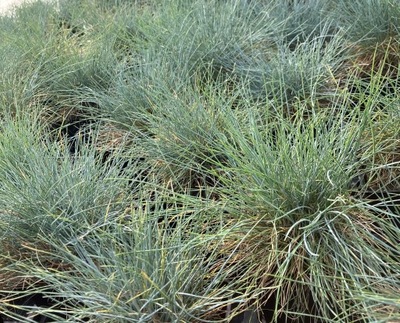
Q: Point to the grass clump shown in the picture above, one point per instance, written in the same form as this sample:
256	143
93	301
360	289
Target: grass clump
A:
199	161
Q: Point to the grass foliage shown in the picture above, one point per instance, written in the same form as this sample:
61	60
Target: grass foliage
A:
200	161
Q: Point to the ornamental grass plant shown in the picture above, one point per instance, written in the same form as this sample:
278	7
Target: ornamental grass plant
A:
199	161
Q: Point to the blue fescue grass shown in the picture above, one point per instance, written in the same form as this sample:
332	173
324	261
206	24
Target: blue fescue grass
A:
370	22
43	188
186	161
